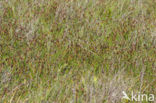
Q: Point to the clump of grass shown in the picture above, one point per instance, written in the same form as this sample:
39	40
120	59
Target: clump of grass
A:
76	50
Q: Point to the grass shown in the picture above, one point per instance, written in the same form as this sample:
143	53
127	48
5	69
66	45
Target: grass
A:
77	51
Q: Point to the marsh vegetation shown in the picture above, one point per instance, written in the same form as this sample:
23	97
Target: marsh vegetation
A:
76	51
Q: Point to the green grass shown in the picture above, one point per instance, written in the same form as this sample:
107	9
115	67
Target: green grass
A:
62	51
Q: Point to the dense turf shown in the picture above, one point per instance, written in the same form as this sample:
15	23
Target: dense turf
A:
77	51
